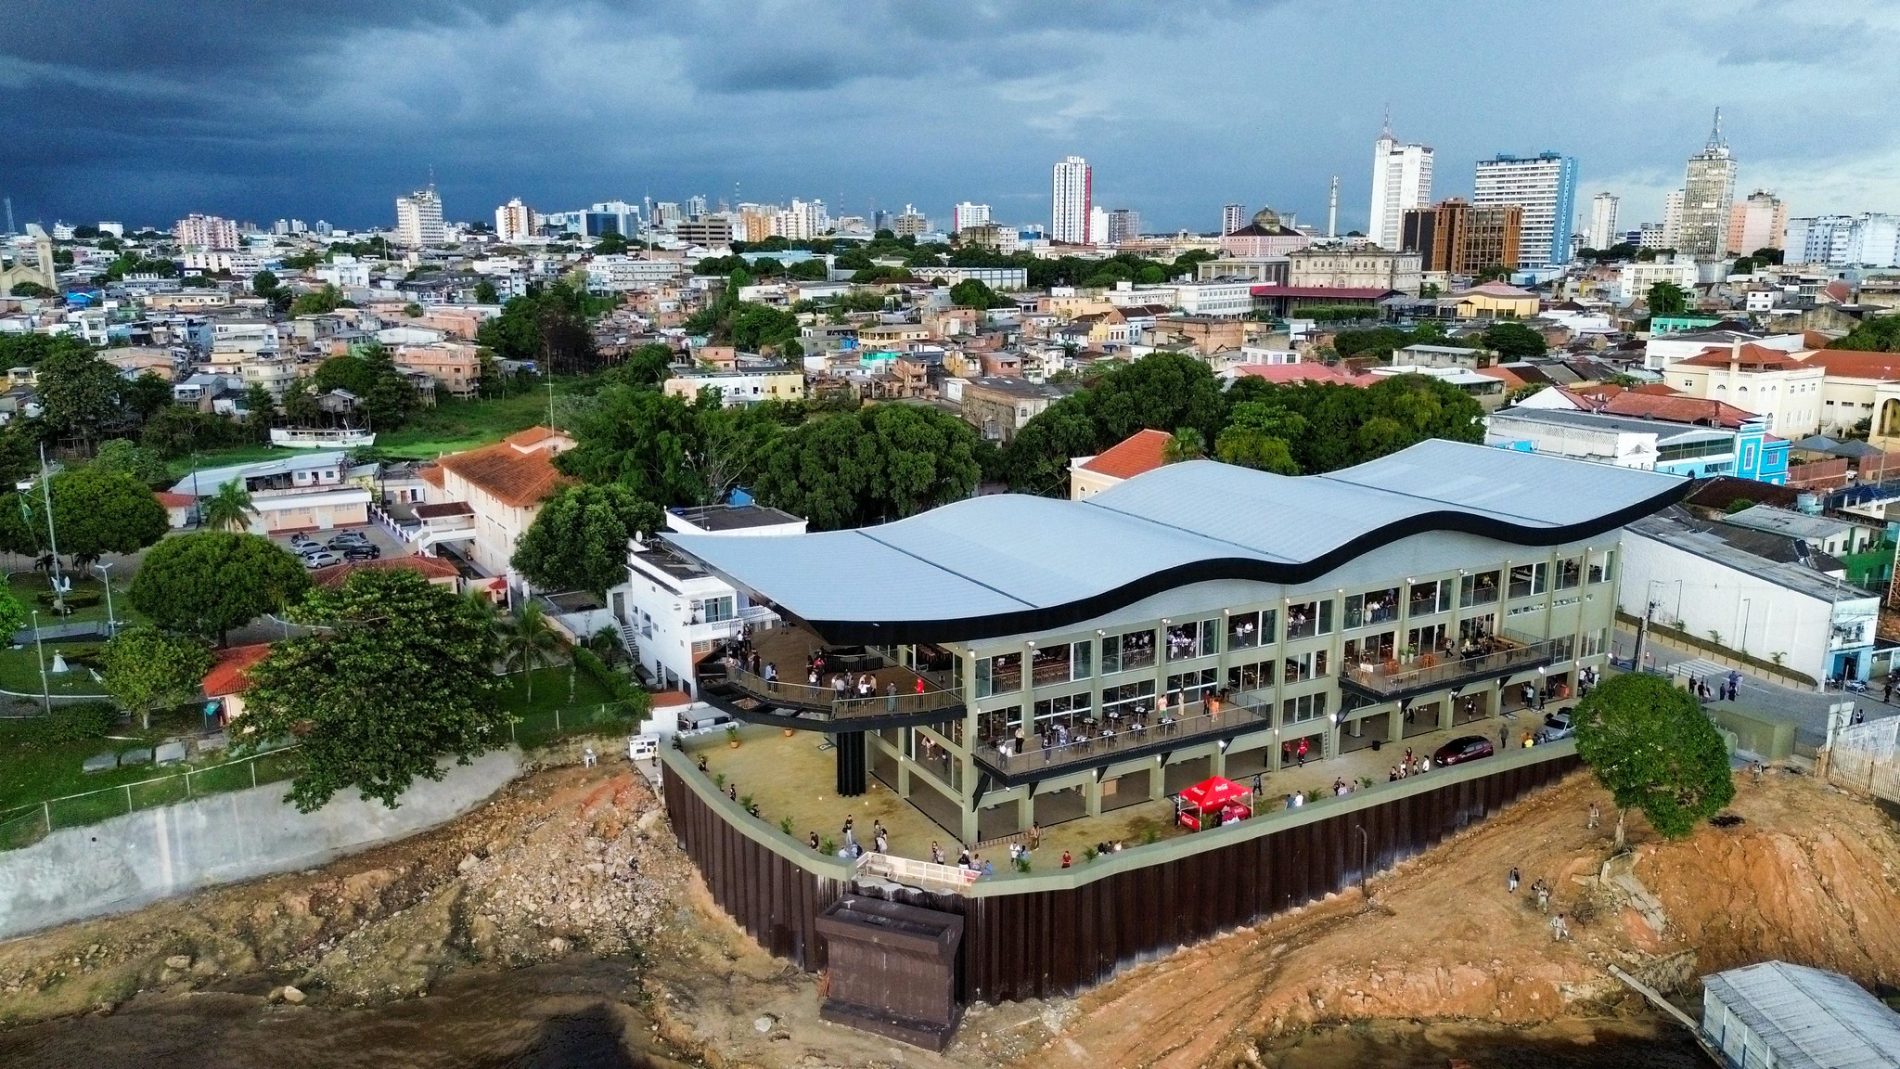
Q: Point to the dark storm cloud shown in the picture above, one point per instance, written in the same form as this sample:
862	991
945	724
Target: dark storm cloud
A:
143	110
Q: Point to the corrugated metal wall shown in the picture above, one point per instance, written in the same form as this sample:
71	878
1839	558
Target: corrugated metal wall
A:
1041	943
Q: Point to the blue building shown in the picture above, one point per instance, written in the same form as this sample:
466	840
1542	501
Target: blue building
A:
1545	186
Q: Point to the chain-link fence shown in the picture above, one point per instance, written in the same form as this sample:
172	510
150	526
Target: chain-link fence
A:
539	727
29	824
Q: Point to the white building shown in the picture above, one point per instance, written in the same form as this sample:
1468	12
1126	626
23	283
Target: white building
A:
1401	179
1760	222
419	219
1708	190
1544	186
204	261
967	215
514	221
617	273
1869	239
1098	225
674	612
1634	279
1602	233
996	278
345	272
1652	236
206	232
1071	198
1232	217
1691	576
1672	220
1215	298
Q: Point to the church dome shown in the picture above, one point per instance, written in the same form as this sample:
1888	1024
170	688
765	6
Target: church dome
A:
1267	219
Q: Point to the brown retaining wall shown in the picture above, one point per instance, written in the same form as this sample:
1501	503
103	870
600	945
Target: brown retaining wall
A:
1039	935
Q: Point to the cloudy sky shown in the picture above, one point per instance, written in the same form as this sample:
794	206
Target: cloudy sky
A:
141	110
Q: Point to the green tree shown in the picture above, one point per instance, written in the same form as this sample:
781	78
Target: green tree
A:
646	367
879	463
527	642
1767	255
1740	504
79	395
485	293
145	396
147	670
641	439
264	283
13	613
1875	334
229	509
95	512
123	456
400	677
1666	298
30	350
974	293
1036	461
207	583
578	541
300	404
259	410
1653	748
1186	444
32	289
317	302
370	372
1513	340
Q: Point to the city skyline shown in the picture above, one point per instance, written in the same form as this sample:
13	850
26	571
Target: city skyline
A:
331	112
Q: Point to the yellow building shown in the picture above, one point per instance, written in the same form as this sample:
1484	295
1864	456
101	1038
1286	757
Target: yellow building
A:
1495	300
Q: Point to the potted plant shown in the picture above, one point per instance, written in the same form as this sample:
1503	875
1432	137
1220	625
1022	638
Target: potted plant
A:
732	735
785	825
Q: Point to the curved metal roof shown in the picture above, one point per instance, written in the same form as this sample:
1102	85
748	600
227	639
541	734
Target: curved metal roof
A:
1009	564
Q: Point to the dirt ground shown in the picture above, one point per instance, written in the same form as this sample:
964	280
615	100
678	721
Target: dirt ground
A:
570	866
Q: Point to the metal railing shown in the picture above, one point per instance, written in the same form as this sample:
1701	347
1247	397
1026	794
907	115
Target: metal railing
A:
1126	735
824	702
26	825
1512	653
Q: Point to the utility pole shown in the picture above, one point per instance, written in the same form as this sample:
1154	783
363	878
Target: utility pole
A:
1642	638
46	489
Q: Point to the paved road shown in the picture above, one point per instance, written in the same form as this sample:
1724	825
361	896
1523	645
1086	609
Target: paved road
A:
1807	709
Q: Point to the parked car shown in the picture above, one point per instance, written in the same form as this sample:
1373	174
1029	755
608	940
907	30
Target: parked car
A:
365	552
1463	748
1558	725
301	539
347	538
322	558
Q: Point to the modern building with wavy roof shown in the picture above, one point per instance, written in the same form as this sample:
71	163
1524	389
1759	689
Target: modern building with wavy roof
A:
1035	659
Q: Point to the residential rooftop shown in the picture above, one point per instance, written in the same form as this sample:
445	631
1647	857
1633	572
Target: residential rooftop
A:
1676	527
1788	524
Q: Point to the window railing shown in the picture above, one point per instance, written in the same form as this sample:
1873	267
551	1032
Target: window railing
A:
1104	742
1500	654
824	702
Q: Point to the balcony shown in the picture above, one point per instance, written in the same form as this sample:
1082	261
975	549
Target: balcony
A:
1122	739
791	701
1502	655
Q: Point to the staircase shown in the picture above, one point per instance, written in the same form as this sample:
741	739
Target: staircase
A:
630	638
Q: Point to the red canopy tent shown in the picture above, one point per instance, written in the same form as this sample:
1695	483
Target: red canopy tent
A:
1217	797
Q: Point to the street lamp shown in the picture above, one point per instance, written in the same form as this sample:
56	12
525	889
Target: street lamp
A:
105	575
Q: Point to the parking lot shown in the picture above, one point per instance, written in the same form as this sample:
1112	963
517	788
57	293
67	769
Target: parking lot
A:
385	543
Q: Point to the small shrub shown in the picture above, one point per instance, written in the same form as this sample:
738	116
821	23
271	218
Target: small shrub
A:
719	780
745	802
1022	863
74	723
828	846
1150	835
1088	854
1364	782
84	599
732	733
785	825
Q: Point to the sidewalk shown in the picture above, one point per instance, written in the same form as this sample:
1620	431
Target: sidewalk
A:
1806	709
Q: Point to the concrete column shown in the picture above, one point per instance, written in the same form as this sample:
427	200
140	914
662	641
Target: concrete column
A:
1092	796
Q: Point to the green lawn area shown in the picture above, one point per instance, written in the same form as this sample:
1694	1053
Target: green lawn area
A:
28	586
552	713
449	427
20	669
32	771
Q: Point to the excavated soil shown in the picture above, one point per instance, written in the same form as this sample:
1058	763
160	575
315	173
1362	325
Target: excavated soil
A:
559	924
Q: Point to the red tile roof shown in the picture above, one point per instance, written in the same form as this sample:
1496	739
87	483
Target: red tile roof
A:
427	567
1751	356
1301	372
431	475
227	676
174	501
1676	409
1506	376
513	471
1853	363
1139	452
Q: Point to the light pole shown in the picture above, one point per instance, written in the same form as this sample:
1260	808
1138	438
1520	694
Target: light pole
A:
46	688
46	488
105	575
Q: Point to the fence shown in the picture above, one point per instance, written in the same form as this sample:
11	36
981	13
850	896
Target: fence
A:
539	727
29	824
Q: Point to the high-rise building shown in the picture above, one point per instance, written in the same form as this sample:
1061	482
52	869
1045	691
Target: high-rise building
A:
1602	232
1545	186
1459	238
1124	225
419	219
1098	224
1232	217
910	222
1756	223
1869	240
1652	236
1401	179
514	221
966	215
1672	220
695	205
1708	190
667	214
206	232
1072	196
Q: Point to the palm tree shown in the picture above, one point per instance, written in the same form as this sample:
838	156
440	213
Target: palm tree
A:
229	509
1187	444
527	641
605	644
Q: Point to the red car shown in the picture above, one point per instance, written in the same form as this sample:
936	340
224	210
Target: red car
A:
1464	748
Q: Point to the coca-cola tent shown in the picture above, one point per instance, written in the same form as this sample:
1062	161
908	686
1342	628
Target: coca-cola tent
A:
1213	801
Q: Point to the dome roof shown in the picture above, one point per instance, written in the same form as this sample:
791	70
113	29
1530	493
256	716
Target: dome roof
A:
1267	219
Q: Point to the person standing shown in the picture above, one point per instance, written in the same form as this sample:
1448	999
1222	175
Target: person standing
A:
1595	816
814	841
771	676
1512	879
1504	738
1035	836
1860	715
1559	931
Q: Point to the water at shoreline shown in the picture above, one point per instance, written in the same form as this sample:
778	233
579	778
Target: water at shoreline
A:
1640	1043
544	1017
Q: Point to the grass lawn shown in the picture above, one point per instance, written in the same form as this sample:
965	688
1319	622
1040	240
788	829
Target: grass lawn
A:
449	427
20	669
552	713
29	585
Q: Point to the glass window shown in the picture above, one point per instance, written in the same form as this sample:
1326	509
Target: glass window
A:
1305	666
1479	589
1528	580
1126	653
1602	565
1135	699
1569	573
1189	687
713	610
1196	638
995	725
1304	707
1372	607
1428	598
999	675
1309	618
1061	663
1067	710
1255	675
1244	630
